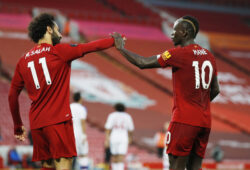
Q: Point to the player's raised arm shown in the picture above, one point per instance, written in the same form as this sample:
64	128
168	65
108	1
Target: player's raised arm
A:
139	61
71	52
215	89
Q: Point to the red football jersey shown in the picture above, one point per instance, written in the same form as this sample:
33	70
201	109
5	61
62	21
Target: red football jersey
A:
193	69
45	72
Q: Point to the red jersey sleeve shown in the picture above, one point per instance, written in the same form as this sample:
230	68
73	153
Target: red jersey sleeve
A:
16	87
71	52
170	57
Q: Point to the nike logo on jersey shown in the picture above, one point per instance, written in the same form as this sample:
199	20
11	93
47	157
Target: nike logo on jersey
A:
38	51
200	52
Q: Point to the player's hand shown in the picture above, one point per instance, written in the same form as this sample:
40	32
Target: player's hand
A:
22	135
119	40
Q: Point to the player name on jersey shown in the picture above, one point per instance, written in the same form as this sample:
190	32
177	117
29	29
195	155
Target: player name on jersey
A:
38	51
200	52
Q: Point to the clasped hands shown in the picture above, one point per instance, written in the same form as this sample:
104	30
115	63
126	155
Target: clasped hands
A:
119	40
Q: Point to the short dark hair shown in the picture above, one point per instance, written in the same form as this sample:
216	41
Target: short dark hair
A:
38	26
193	31
120	107
76	96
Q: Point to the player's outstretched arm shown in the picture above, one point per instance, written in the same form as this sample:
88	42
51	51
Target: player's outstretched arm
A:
137	60
74	51
215	89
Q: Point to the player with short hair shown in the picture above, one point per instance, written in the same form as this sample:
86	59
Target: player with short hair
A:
45	72
119	128
79	116
195	84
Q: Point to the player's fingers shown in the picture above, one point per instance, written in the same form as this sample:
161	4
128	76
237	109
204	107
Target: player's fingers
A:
17	137
22	138
24	133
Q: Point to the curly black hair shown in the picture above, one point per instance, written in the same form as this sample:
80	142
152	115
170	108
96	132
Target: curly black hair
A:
193	31
38	26
120	107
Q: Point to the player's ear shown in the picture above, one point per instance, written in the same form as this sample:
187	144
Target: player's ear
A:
49	29
184	33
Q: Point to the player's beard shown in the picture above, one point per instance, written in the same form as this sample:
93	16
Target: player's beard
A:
55	38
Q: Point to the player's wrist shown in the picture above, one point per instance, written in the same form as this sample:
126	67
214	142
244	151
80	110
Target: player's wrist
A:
121	48
18	130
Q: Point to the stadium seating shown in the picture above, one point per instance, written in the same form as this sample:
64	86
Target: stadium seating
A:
137	11
89	10
6	122
229	3
214	21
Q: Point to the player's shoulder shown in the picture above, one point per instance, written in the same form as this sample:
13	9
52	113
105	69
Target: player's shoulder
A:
77	105
64	46
128	115
173	50
114	115
73	104
124	115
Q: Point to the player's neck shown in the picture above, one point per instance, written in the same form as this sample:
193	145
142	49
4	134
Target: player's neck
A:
188	42
46	39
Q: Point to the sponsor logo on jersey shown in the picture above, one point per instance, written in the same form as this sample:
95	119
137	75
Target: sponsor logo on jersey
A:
200	52
38	51
166	55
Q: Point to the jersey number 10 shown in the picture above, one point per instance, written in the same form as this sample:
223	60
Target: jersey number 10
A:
31	65
205	64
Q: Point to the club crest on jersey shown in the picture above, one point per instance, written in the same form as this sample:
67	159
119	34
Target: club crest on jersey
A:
166	55
200	52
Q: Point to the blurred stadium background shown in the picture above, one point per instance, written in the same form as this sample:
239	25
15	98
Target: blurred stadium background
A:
105	77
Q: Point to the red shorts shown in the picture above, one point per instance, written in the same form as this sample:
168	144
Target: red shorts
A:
55	141
181	139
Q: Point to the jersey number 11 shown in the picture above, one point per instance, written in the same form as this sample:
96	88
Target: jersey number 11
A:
31	65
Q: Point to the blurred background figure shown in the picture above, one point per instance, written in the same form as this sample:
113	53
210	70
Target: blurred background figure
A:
14	159
119	127
66	30
107	156
217	153
79	116
159	139
165	159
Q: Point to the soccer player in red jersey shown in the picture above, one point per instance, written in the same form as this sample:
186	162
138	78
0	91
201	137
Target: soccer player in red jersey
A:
194	86
45	73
